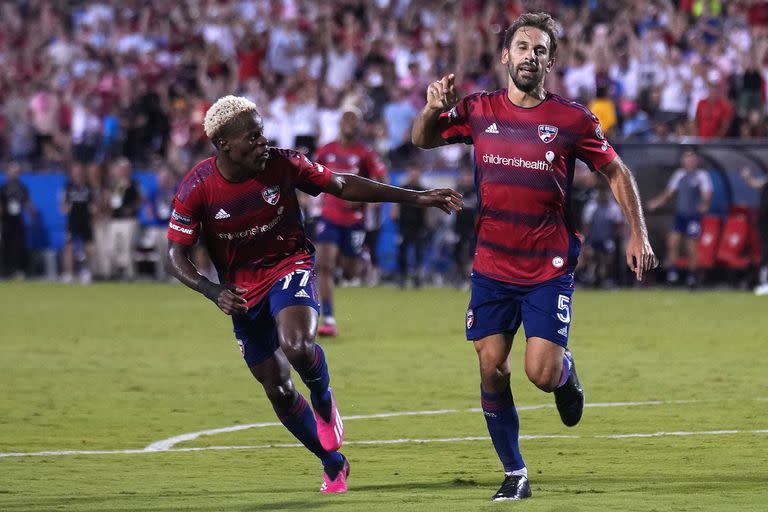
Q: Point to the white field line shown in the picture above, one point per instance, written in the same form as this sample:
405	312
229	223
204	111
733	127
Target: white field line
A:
383	442
167	444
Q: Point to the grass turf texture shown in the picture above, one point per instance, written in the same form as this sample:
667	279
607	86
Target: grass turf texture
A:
115	367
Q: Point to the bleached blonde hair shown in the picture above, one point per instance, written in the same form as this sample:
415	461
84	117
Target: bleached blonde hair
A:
223	111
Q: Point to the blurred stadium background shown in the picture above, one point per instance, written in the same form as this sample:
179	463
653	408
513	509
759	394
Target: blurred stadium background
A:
87	83
103	88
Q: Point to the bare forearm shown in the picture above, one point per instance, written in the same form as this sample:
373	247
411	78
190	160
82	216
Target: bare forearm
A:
359	189
625	191
424	132
179	265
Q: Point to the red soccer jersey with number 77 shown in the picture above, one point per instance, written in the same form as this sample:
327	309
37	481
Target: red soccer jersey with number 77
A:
254	230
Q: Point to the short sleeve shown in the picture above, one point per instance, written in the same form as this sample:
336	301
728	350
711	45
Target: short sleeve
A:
454	125
311	177
705	183
592	147
674	181
184	226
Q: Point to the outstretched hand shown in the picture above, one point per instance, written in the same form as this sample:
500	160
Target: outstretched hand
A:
441	94
446	199
640	256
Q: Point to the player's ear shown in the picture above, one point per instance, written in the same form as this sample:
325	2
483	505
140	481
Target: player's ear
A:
222	144
505	56
550	64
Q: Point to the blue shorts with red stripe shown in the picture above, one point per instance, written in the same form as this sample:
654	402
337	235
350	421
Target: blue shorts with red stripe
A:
256	330
544	309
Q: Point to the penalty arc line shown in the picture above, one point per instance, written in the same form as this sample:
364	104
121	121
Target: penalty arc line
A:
167	444
386	442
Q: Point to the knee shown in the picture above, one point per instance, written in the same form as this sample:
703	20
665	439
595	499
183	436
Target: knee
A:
544	376
494	372
281	394
299	347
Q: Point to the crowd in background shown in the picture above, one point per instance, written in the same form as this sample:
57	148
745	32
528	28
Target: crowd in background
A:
94	87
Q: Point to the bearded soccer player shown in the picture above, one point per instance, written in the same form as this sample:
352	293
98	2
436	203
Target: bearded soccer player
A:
341	228
242	203
526	140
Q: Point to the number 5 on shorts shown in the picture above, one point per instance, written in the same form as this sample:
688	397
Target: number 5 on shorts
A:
564	305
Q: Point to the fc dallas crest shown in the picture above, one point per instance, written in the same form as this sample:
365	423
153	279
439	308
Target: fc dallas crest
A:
271	194
547	133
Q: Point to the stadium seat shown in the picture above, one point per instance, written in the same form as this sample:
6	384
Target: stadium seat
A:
708	242
732	250
755	251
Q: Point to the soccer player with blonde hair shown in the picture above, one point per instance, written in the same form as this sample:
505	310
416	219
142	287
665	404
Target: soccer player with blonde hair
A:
242	204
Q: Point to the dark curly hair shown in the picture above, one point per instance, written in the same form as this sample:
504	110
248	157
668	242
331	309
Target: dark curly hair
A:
540	20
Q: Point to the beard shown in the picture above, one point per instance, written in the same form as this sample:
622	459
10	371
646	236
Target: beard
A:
527	84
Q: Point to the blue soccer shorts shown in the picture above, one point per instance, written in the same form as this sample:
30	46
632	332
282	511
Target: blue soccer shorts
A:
689	225
349	240
497	307
256	330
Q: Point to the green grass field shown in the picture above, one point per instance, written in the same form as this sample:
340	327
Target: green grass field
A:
118	367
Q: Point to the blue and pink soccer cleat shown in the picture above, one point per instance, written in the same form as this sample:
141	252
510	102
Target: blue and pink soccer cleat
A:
337	485
331	433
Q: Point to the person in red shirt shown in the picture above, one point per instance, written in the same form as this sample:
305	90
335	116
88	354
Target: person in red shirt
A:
242	204
341	227
713	114
526	141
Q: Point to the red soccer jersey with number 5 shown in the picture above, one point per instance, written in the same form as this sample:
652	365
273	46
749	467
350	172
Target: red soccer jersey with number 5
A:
524	160
254	230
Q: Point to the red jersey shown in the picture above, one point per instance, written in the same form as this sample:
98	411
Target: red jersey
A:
354	159
254	230
524	160
710	116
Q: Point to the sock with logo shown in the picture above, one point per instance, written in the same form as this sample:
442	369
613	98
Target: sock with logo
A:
317	379
300	422
504	427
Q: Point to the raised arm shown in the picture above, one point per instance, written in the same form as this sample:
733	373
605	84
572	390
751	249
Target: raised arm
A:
355	188
640	256
441	97
755	182
178	264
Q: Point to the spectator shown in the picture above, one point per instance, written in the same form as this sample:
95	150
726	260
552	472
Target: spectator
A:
693	187
714	113
602	222
605	110
159	211
45	108
398	115
414	233
86	130
760	183
464	228
78	202
14	198
124	202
